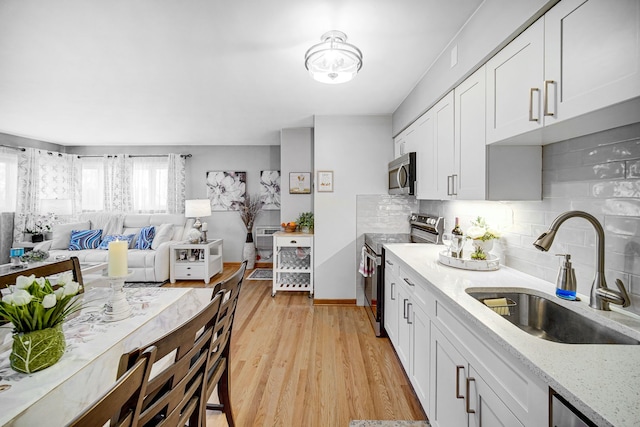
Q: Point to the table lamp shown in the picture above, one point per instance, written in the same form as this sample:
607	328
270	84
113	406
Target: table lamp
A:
197	208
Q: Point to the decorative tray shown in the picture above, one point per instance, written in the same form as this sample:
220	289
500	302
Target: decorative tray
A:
490	264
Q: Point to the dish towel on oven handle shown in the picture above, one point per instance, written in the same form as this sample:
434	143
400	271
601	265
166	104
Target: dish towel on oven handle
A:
366	269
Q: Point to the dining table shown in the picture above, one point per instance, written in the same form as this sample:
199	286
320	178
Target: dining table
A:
88	368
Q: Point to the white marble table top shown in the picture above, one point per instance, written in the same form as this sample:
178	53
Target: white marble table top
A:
88	368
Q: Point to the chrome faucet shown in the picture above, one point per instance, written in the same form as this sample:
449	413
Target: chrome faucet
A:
601	295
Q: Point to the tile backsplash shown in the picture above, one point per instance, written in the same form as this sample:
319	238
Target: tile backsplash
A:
598	174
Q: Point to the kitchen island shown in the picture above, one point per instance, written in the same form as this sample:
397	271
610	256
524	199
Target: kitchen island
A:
601	381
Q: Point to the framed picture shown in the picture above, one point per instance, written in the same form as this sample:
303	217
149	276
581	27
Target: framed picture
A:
300	183
226	189
270	189
325	181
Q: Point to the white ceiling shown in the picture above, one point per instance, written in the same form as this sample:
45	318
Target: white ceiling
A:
204	72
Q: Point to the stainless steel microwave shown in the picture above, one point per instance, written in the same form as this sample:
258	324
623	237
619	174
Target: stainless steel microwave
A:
402	175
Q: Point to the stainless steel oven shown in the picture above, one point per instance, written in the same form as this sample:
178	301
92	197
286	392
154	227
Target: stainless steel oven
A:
423	229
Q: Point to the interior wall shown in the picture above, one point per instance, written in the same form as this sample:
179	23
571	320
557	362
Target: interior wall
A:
356	149
296	155
598	174
497	21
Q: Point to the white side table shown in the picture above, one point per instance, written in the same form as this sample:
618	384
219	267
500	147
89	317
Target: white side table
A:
195	261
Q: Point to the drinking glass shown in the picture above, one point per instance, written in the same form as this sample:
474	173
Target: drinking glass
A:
447	240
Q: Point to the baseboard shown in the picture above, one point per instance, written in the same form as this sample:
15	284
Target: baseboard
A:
344	302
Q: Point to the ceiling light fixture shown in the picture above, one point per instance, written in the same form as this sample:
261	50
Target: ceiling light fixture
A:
333	60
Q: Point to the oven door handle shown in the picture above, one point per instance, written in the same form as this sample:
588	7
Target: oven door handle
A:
373	258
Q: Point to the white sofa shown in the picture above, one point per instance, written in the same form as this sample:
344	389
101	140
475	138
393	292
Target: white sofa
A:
149	265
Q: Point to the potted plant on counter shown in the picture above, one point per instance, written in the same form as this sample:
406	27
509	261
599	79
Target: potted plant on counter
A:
305	222
482	237
249	210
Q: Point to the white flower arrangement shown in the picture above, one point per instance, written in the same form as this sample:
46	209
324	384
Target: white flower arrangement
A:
34	305
481	233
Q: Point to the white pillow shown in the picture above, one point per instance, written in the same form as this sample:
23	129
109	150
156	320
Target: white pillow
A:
62	233
164	233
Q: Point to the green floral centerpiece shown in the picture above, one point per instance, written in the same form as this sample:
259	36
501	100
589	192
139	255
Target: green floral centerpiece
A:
37	311
482	237
305	221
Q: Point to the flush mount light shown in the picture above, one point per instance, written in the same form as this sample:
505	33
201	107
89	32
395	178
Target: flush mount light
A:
333	60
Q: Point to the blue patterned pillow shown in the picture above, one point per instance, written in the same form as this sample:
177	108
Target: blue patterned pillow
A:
112	237
84	239
145	237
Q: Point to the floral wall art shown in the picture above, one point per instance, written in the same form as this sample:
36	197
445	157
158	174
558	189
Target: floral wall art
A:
226	189
299	182
270	189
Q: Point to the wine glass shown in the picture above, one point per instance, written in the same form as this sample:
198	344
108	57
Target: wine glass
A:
448	240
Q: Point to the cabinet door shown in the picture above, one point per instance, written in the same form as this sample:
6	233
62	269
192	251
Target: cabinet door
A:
592	56
444	139
425	158
470	142
485	407
399	145
514	80
391	306
420	355
404	329
448	373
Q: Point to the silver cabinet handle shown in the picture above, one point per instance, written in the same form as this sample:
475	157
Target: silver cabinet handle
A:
469	410
546	97
393	287
408	281
453	185
293	241
404	311
448	185
533	89
458	395
409	313
388	262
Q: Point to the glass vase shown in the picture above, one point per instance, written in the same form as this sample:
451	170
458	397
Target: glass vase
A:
37	350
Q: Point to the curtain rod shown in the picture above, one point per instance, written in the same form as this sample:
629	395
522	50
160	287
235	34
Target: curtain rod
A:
186	156
12	147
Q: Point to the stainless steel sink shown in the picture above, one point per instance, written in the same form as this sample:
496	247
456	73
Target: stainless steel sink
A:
543	318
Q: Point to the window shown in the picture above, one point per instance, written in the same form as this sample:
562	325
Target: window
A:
92	184
150	181
8	180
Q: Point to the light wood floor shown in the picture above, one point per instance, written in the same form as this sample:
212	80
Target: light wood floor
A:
295	364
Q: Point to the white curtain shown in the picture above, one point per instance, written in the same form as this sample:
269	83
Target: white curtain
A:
8	179
149	184
42	175
117	183
177	188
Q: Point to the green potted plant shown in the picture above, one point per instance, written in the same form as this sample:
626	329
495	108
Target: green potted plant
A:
305	222
36	311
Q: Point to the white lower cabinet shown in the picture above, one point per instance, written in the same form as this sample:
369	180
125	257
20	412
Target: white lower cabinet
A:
460	395
460	375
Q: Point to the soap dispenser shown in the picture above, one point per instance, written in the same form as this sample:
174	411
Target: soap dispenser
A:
566	281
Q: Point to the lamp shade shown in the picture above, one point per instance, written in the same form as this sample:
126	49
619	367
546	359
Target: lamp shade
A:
56	206
197	208
333	60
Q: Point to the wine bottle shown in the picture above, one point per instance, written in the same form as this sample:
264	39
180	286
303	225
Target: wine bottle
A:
456	250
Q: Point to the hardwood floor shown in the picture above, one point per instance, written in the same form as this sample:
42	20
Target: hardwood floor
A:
296	364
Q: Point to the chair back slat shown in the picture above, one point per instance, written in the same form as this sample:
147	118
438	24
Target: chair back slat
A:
122	403
180	379
217	373
72	264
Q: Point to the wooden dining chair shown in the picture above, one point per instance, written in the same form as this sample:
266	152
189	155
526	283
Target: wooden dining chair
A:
174	395
46	270
122	403
218	365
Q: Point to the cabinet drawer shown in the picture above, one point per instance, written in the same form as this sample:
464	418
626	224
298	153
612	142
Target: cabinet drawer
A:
191	270
392	265
418	285
294	241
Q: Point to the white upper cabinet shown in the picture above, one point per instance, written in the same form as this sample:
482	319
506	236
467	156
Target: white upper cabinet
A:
514	79
580	61
592	56
469	180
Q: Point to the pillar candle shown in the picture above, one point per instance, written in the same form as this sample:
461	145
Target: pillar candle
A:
204	226
118	258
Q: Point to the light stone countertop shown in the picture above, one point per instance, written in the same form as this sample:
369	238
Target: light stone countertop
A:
602	381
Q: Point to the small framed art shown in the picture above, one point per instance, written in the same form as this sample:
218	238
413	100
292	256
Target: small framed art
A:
300	183
325	181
